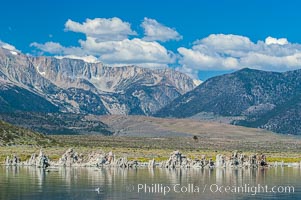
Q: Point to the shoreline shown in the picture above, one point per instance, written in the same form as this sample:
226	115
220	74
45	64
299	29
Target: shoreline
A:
144	149
24	152
72	158
142	155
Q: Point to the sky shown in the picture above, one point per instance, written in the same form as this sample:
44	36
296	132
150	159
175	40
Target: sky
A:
200	38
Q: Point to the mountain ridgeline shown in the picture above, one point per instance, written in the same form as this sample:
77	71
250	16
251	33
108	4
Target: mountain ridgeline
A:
73	89
48	84
262	99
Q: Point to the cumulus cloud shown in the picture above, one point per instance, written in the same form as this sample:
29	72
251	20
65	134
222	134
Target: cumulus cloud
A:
65	52
113	42
281	41
88	59
221	42
154	31
50	47
8	46
58	49
128	51
108	41
232	52
102	28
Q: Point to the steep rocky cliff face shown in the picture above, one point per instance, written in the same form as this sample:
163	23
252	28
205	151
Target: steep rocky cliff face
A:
263	99
78	87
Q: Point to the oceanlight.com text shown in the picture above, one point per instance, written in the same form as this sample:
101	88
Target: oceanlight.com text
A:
211	188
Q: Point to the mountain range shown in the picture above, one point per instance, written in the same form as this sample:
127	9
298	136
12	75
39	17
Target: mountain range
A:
254	98
49	84
72	89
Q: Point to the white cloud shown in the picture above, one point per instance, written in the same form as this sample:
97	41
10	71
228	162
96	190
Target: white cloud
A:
232	52
108	41
134	51
114	53
58	49
154	31
281	41
88	59
102	29
111	41
50	47
8	46
221	42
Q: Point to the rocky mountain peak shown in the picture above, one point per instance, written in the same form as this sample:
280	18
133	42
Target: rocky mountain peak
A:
249	97
77	86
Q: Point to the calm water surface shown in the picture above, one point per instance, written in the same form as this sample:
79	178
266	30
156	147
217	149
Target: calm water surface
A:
90	183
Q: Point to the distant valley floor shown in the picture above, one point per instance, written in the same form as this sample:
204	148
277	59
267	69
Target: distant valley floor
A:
144	138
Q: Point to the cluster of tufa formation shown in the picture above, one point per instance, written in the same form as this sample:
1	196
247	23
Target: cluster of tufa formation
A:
241	160
14	161
176	160
72	159
41	160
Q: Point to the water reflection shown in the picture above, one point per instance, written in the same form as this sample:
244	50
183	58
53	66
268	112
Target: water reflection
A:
116	183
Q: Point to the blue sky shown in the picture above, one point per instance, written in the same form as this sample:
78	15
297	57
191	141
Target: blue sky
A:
26	22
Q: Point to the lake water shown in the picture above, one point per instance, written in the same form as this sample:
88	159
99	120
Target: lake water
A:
113	183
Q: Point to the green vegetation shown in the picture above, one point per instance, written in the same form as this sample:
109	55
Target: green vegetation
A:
12	135
145	148
56	123
23	143
284	159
